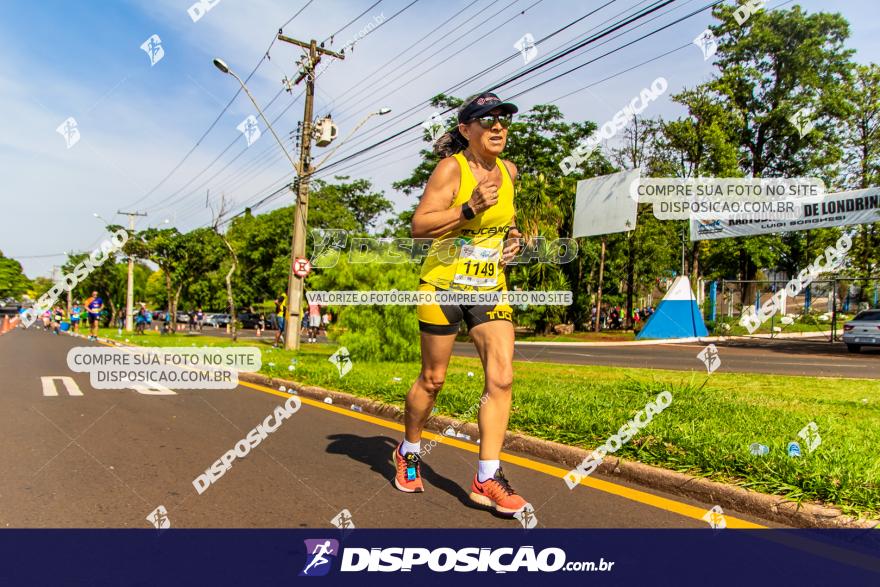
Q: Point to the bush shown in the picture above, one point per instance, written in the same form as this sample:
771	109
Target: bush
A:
373	333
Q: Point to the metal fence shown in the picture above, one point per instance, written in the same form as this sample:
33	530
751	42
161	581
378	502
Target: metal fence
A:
821	307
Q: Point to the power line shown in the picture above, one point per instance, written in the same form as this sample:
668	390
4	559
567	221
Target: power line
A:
274	157
378	128
274	98
543	63
220	115
349	23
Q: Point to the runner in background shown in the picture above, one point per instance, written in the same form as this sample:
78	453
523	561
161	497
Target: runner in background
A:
314	322
75	311
94	305
57	319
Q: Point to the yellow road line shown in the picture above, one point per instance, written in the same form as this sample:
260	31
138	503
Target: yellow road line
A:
652	500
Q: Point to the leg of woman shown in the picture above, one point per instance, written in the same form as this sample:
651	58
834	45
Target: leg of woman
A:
490	488
436	351
494	343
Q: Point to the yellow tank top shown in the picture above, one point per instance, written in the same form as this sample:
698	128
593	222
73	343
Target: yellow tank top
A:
467	258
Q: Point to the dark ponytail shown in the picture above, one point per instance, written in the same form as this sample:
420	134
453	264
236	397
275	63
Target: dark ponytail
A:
450	143
453	141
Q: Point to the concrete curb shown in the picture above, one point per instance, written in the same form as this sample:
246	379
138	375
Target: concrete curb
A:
679	340
768	507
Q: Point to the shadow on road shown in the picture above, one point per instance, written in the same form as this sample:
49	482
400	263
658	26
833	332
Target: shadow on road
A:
376	451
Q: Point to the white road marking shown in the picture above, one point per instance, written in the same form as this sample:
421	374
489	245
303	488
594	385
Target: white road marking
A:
70	385
151	389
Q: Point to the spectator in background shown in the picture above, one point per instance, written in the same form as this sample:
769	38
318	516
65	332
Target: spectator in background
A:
314	322
142	319
280	313
200	318
325	320
615	318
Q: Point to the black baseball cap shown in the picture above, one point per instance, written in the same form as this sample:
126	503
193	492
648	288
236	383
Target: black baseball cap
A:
484	103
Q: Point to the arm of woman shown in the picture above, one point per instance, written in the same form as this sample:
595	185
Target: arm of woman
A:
512	244
433	215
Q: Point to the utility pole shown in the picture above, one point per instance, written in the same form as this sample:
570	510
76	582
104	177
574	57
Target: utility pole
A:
298	244
129	292
601	276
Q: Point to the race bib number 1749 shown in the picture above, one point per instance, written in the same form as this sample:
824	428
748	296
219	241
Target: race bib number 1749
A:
477	266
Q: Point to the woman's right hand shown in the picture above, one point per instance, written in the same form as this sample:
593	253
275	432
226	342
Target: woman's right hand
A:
485	195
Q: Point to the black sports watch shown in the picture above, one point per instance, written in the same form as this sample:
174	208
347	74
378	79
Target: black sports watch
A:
468	211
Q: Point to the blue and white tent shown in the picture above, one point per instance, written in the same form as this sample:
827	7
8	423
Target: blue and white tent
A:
677	316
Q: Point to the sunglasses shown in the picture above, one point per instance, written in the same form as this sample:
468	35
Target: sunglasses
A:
489	121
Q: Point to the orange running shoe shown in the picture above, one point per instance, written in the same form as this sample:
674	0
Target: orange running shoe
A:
408	477
497	493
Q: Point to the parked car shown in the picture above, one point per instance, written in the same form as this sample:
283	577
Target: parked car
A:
863	330
249	320
9	307
182	317
217	320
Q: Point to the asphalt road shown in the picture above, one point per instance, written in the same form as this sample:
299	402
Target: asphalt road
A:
109	458
782	357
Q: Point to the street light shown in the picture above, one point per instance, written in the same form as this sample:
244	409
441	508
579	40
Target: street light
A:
303	171
291	330
221	65
101	218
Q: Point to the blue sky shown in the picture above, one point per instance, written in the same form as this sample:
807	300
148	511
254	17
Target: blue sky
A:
137	121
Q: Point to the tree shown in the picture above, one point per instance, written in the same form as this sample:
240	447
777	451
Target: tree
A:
233	264
780	67
861	133
13	281
160	247
380	332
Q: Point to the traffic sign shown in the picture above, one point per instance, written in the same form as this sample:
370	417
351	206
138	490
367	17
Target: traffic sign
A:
301	267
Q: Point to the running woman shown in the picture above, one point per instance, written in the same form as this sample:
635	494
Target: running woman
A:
467	208
74	316
57	319
95	306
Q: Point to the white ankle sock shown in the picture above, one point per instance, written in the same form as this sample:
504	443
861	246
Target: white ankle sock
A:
407	446
487	470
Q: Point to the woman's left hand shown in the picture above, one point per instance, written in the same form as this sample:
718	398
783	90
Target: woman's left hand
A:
511	246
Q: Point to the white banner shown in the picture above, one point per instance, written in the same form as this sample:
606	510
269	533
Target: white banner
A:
603	205
840	209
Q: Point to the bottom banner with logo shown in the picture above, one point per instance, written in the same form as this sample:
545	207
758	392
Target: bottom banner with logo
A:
431	557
